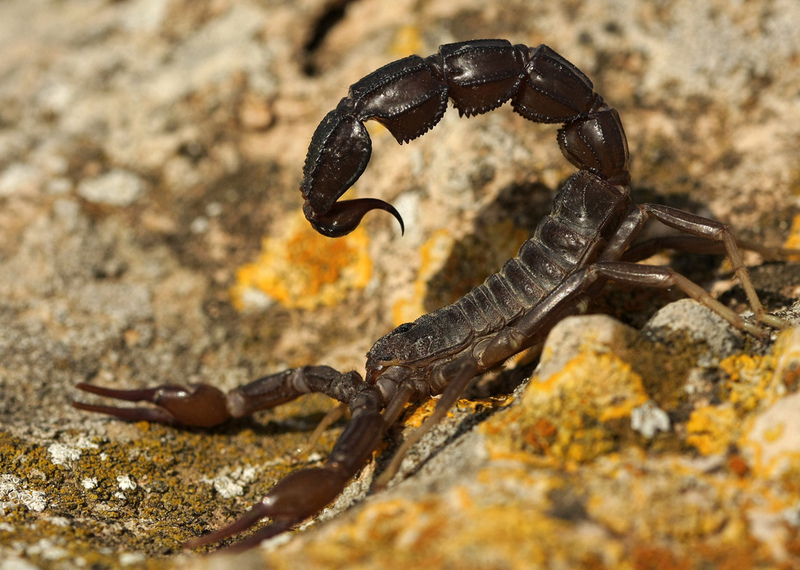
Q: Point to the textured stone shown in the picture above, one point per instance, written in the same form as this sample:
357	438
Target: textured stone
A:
207	110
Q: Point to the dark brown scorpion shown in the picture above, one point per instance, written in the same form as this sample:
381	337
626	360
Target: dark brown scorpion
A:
583	243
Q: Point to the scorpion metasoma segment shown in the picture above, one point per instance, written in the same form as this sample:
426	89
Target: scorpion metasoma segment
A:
583	243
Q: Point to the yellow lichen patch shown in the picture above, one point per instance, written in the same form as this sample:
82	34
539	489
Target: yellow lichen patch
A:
750	377
421	413
575	415
433	254
711	429
793	241
463	527
406	41
303	269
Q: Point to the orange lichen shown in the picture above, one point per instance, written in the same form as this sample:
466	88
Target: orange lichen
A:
710	429
573	415
303	269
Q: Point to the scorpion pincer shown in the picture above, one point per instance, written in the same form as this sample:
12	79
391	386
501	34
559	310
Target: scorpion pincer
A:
583	243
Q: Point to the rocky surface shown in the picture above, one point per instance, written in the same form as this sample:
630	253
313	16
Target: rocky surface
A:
150	155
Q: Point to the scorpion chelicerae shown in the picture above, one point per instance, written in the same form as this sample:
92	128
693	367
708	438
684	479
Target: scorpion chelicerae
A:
583	243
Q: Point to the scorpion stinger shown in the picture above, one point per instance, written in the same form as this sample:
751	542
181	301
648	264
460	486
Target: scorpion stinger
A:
584	242
343	217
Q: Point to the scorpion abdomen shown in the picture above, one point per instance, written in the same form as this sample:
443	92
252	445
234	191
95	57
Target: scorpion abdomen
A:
585	214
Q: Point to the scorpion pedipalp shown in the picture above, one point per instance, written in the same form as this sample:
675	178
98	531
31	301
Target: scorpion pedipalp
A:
199	405
305	492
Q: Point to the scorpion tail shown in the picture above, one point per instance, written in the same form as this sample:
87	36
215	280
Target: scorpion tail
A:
338	154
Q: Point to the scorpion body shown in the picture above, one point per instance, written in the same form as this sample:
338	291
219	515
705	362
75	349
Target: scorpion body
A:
584	242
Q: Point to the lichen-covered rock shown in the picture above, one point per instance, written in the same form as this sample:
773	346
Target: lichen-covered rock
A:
149	148
772	440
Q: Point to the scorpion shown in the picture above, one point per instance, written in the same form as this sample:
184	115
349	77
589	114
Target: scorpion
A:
584	242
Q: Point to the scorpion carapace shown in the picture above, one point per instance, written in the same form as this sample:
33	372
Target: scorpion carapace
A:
573	251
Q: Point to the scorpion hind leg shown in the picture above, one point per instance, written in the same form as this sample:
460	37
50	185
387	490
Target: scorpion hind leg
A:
458	374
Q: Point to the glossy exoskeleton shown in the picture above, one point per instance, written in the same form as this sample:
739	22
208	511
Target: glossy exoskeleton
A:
584	242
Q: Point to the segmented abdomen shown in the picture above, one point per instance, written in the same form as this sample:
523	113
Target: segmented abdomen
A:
568	238
585	215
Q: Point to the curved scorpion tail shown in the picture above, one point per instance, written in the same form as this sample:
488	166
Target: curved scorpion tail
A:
409	97
339	152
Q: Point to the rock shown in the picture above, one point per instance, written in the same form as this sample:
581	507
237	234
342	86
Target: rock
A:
116	188
149	148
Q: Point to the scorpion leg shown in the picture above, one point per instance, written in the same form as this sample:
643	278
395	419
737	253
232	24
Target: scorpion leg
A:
696	244
717	232
326	422
304	493
564	297
665	278
697	228
685	243
458	373
562	300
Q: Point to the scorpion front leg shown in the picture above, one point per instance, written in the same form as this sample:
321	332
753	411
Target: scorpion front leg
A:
303	493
